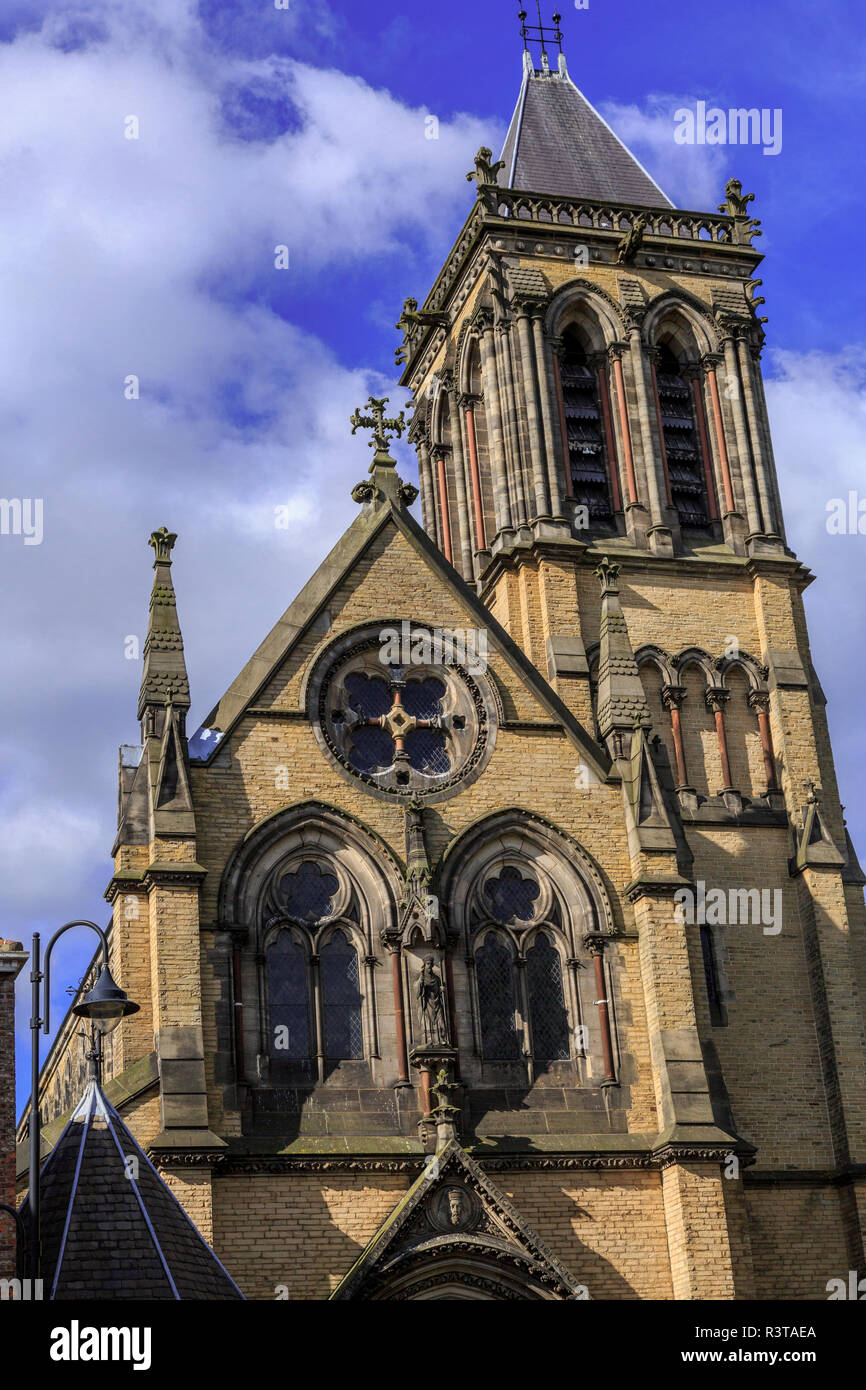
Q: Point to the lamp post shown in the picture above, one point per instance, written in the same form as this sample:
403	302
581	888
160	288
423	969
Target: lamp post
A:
105	1005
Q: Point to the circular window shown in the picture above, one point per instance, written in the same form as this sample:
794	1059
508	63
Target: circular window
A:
420	729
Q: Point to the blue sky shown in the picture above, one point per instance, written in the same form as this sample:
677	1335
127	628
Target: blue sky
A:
154	257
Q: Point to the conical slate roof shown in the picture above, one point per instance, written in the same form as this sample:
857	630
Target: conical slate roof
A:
558	143
111	1228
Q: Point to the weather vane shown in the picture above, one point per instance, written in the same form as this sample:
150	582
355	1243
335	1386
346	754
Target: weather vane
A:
382	428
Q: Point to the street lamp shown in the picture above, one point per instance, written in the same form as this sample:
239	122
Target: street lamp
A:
105	1005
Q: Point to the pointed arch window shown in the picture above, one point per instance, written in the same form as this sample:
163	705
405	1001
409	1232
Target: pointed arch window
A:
682	446
288	999
494	968
584	422
547	1014
341	999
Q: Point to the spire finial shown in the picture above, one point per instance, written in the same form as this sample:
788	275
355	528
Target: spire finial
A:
382	429
163	544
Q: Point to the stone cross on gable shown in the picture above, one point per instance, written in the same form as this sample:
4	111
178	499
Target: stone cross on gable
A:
382	428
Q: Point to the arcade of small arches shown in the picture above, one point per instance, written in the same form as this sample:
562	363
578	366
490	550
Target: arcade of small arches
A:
659	407
713	715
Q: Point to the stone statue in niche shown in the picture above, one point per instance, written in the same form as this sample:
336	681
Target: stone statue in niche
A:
431	1002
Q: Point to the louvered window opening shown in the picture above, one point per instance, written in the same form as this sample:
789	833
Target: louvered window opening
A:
586	448
682	447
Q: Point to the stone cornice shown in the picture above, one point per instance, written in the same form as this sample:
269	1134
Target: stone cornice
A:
654	885
168	874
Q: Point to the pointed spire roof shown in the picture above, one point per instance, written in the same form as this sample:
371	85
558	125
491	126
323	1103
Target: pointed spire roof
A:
164	679
110	1226
558	143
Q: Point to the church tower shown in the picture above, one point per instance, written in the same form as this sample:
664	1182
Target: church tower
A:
499	935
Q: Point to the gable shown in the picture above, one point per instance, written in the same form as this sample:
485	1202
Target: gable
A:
384	568
455	1230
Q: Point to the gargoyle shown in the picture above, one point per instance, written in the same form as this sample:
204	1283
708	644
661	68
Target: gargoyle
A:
737	205
413	317
631	242
484	172
751	286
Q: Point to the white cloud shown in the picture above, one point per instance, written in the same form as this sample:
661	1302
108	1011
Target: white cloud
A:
817	405
693	176
155	257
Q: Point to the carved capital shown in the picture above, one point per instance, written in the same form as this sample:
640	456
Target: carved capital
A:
716	697
616	351
710	361
594	943
759	701
673	696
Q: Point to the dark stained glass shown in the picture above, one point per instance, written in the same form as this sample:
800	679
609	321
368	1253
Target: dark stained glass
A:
372	749
511	897
341	999
288	1008
309	892
369	696
494	973
547	1014
426	751
423	698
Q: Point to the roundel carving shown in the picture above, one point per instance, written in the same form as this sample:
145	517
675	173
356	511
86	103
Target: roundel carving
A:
453	1207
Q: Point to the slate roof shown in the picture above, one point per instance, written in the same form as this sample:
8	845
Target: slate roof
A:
558	143
106	1235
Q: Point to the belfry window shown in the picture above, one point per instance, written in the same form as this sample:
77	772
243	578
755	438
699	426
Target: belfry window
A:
587	454
681	443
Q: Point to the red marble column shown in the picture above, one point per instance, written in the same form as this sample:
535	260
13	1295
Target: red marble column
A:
672	698
717	698
760	703
476	478
720	433
616	350
443	507
595	945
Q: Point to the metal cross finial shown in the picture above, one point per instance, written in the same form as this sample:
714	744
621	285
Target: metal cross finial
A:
382	428
540	33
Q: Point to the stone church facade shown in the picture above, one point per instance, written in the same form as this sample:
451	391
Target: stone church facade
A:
499	935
